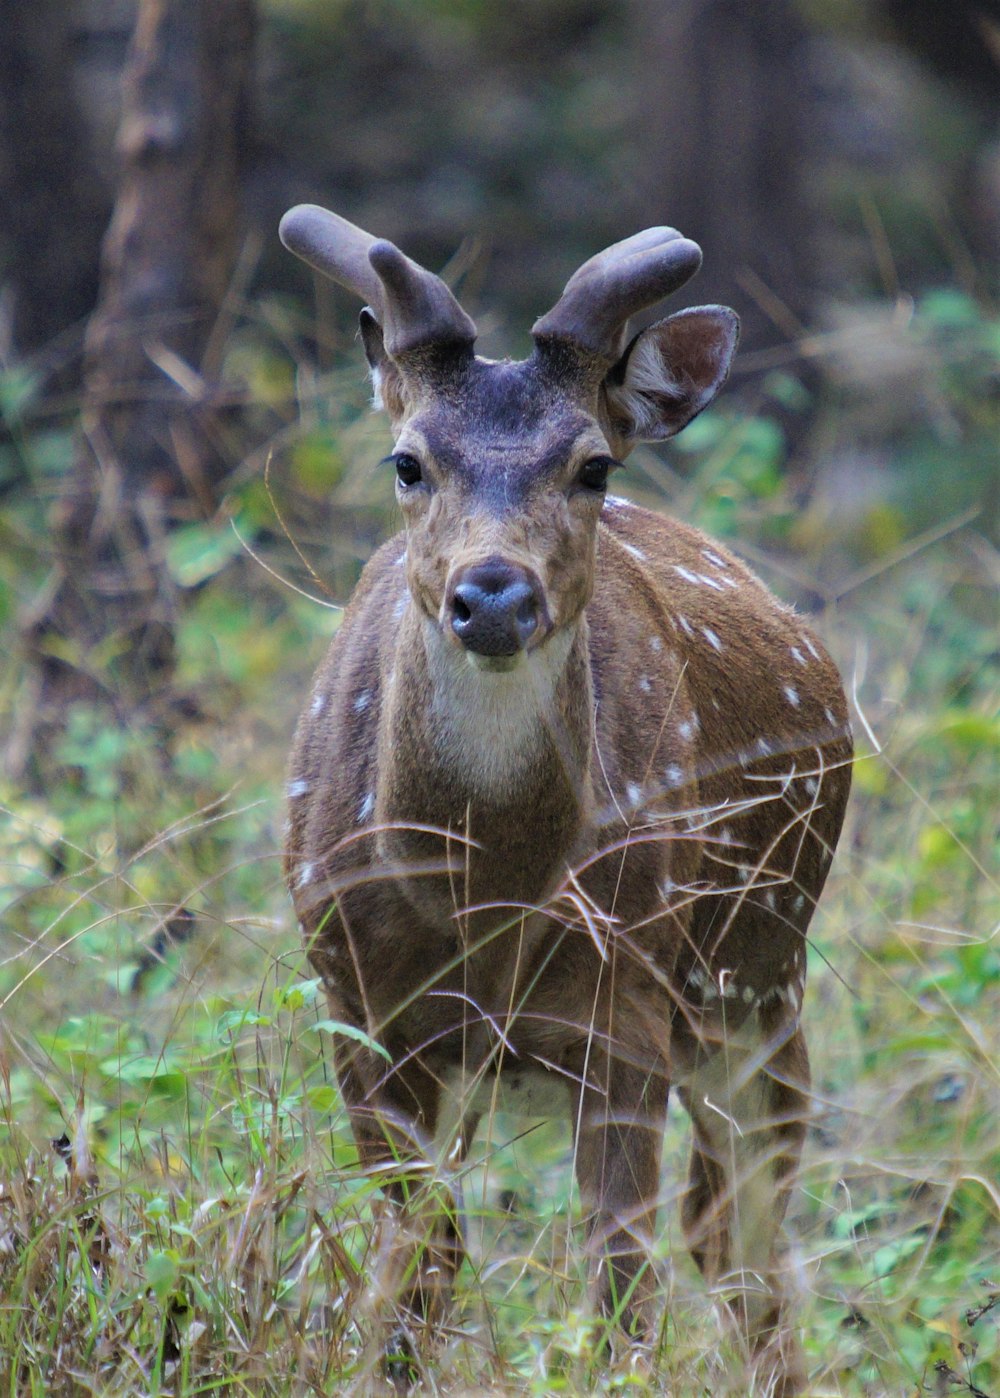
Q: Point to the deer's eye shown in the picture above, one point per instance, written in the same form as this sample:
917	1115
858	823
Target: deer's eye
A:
408	469
594	473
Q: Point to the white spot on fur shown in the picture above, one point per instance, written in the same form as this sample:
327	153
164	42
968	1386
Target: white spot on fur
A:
701	980
297	789
636	553
634	793
615	502
688	728
685	625
305	875
728	988
711	638
318	704
797	656
683	573
792	695
748	993
674	775
714	558
725	836
770	899
645	684
763	747
798	902
810	647
655	643
366	808
828	715
706	581
362	701
811	785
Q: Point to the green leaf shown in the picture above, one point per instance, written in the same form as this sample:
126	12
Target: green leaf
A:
295	996
17	388
235	1020
162	1271
349	1031
950	309
199	551
937	847
888	1257
146	1071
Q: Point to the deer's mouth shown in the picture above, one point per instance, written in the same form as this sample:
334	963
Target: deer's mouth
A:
496	664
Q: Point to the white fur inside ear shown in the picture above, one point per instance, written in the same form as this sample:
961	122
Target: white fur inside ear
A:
647	377
378	402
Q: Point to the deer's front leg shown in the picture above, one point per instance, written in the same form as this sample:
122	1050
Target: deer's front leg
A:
748	1101
418	1247
620	1115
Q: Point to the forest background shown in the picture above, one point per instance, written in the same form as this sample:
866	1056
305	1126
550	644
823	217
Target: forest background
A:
188	491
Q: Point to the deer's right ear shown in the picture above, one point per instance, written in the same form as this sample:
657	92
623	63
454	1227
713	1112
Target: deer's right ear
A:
669	373
387	382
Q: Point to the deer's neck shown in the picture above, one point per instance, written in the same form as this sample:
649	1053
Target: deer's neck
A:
455	737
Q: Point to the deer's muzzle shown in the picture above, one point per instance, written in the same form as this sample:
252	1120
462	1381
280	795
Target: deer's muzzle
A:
495	607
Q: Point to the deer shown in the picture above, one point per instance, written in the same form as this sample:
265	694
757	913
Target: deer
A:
565	792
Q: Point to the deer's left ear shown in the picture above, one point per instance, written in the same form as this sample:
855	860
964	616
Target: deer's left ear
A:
669	373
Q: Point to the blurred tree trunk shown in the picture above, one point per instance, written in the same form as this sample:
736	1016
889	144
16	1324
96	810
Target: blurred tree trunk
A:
52	221
724	116
960	42
150	447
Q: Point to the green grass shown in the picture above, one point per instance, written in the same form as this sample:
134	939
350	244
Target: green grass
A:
201	1223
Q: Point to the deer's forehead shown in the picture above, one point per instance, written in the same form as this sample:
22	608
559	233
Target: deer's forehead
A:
503	421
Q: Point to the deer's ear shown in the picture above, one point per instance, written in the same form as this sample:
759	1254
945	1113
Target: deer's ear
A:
669	373
388	390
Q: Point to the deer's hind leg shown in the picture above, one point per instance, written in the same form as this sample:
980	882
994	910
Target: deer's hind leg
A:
620	1112
746	1092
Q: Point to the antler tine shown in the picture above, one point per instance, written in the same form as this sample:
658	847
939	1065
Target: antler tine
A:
601	295
415	309
336	248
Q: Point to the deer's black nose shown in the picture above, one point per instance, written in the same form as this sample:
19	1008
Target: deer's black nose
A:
495	607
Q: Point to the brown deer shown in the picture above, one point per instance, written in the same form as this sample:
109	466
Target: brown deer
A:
567	787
